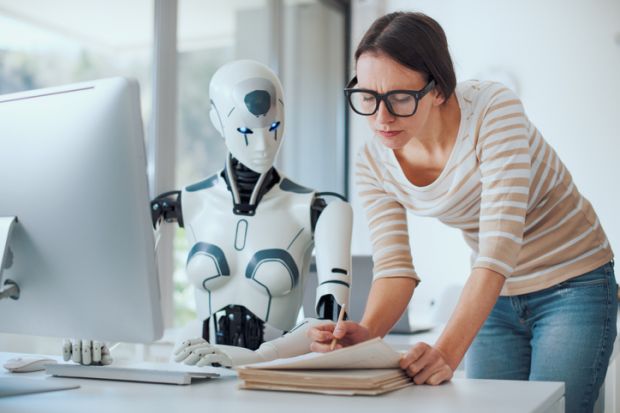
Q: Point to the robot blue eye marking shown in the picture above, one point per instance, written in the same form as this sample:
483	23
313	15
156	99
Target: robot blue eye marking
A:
258	102
274	126
245	132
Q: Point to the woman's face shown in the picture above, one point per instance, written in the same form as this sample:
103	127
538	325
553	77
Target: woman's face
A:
382	74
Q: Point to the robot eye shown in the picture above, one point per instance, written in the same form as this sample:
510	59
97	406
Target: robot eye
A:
244	130
274	126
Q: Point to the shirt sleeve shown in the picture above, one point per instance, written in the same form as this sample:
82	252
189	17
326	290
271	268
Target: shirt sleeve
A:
387	222
502	149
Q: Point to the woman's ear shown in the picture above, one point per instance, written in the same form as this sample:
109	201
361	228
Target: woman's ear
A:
438	98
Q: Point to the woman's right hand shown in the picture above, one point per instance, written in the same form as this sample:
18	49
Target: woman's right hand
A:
346	332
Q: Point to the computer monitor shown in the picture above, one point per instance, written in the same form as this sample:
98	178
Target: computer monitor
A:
73	172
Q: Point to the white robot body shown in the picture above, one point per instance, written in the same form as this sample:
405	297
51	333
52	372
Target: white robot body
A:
259	262
251	231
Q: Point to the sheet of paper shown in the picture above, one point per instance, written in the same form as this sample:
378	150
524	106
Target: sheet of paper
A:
371	354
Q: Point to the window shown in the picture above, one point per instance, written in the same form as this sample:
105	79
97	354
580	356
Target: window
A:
43	44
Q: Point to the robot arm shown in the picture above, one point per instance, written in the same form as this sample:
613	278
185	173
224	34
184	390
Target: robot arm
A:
167	206
332	239
293	343
200	353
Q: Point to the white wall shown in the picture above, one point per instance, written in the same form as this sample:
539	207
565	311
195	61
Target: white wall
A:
565	57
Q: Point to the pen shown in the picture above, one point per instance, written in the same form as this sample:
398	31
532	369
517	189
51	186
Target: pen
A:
340	319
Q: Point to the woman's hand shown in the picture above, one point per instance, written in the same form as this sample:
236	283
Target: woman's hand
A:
346	332
426	365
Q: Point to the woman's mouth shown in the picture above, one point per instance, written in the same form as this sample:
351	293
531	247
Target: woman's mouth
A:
388	133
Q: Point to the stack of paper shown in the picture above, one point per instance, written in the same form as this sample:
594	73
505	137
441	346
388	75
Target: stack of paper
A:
368	368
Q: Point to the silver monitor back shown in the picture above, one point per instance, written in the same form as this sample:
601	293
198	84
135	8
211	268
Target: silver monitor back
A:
73	172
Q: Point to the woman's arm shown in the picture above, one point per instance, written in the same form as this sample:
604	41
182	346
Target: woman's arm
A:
387	301
475	304
434	365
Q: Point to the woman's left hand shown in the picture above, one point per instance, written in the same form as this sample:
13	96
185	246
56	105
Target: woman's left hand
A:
426	365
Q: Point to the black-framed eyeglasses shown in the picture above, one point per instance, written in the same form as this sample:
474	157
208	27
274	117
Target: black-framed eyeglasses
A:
400	103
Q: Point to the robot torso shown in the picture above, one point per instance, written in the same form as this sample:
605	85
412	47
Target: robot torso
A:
260	261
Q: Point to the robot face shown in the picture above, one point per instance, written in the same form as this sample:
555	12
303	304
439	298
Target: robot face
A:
249	115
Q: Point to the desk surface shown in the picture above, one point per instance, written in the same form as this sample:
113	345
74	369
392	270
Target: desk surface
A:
223	395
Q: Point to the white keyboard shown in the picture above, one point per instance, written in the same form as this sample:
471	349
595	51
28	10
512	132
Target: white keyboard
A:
140	372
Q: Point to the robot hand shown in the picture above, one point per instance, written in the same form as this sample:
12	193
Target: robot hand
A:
201	353
86	352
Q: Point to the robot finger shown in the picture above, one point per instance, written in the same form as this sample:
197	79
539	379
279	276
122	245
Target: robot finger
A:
76	356
193	342
66	349
196	352
215	359
105	356
206	350
182	353
192	358
87	352
97	345
187	344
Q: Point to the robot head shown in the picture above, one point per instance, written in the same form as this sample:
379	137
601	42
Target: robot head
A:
247	109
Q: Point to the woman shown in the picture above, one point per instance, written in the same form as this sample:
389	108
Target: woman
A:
540	302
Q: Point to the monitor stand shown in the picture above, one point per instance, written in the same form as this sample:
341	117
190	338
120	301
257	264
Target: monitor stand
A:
10	386
8	288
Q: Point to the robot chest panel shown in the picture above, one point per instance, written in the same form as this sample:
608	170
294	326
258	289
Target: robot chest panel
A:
266	251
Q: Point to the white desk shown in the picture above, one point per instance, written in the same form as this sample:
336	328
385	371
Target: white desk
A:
609	397
222	395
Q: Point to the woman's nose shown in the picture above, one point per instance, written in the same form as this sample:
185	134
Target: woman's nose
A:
383	115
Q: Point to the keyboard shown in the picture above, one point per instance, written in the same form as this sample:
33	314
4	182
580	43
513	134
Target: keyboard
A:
138	372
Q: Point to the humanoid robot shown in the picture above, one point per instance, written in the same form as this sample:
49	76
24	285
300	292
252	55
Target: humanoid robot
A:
250	257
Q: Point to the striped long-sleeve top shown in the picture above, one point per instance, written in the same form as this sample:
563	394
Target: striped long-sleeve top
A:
503	186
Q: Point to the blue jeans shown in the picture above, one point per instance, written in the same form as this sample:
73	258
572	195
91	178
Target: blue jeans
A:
563	333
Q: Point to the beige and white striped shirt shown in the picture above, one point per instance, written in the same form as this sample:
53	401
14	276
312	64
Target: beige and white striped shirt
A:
503	186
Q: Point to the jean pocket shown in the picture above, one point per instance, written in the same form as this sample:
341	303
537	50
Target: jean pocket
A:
597	277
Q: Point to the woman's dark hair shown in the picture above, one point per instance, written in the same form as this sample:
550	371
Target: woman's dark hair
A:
416	41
